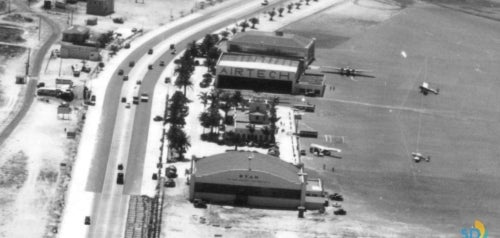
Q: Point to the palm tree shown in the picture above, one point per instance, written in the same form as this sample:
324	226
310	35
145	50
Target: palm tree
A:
205	120
178	140
251	129
236	98
307	2
254	20
298	4
244	25
183	80
271	15
280	11
233	138
193	48
214	96
234	30
224	35
206	44
266	131
203	96
290	7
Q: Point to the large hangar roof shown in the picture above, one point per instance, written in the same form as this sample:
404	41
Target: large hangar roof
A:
239	161
272	39
259	62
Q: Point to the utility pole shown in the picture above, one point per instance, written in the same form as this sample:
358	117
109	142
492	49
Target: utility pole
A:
39	27
28	62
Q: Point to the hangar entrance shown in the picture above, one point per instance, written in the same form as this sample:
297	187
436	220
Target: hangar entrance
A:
256	84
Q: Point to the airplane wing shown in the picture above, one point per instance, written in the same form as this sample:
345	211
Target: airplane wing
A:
334	149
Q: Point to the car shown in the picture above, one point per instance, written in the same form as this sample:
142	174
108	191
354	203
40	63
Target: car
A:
310	94
124	99
127	105
168	80
131	64
336	197
150	51
172	168
120	72
173	52
158	118
302	152
340	212
265	3
134	30
138	82
204	84
120	166
198	203
119	179
40	85
150	66
162	63
126	46
125	78
170	183
171	174
135	100
87	220
144	97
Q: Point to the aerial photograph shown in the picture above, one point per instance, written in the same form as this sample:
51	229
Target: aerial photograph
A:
249	118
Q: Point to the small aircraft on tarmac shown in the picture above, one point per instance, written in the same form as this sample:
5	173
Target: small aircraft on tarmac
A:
346	71
323	150
425	89
417	157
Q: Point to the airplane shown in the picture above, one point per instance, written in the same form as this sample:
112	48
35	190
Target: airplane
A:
417	157
315	148
425	89
346	71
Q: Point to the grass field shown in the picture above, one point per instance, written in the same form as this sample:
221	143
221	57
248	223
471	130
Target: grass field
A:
384	119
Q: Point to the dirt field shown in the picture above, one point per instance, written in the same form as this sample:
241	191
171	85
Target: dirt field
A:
384	119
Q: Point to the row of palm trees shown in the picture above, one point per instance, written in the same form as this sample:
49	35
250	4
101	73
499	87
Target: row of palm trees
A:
177	112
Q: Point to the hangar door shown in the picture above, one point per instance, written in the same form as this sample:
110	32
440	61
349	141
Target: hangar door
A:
258	85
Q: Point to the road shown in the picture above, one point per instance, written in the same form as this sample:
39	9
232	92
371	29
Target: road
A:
110	207
36	66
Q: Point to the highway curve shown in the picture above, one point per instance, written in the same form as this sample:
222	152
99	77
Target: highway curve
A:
36	67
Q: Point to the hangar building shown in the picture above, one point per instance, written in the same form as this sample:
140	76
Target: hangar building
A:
251	179
270	62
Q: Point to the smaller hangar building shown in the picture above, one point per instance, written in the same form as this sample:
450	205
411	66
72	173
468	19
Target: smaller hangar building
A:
250	179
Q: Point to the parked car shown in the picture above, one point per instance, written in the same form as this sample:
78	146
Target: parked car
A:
125	78
40	85
131	64
120	72
138	82
158	118
340	212
124	99
150	51
198	203
87	220
127	45
127	105
150	66
120	179
170	183
120	166
336	197
162	63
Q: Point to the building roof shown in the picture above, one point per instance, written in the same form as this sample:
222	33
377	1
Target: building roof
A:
272	39
314	185
312	79
258	62
75	29
239	161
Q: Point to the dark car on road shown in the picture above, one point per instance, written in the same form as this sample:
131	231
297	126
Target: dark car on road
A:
120	72
170	183
120	179
340	212
150	51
